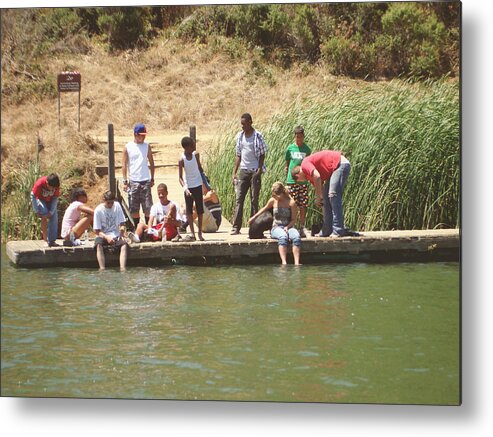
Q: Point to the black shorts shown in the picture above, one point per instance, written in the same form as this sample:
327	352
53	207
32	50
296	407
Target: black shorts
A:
197	197
111	248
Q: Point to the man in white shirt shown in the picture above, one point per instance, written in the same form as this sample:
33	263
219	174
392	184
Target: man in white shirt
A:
109	226
250	155
135	158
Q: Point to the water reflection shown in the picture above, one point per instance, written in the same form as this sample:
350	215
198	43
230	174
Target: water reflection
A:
320	333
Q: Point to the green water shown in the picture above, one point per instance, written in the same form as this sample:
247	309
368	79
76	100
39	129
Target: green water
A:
365	333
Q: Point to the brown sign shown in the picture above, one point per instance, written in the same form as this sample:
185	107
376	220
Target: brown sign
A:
69	81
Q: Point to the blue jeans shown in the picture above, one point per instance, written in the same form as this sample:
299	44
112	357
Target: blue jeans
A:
283	238
43	208
332	196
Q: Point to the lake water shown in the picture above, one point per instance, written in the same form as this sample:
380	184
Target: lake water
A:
345	333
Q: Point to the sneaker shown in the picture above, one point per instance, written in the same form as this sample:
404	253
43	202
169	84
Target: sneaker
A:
67	243
176	238
133	238
302	233
235	231
71	236
77	242
53	244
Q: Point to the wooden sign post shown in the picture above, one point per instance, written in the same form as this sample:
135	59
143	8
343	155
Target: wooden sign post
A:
69	81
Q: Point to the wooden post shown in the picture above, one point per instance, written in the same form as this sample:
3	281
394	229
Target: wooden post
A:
193	134
111	159
78	118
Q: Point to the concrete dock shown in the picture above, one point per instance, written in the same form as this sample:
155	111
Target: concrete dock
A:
222	248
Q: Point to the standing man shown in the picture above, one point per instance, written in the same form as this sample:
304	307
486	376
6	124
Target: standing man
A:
140	180
250	155
328	171
295	154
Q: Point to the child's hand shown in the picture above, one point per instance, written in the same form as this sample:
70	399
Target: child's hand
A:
187	192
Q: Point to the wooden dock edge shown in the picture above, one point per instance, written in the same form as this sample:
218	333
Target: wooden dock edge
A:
371	247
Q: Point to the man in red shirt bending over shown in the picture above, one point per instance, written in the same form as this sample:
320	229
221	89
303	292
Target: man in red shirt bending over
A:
328	171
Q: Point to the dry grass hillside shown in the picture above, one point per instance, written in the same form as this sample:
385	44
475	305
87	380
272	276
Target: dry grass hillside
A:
169	86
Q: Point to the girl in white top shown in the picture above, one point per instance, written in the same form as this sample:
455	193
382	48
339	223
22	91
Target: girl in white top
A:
190	162
73	226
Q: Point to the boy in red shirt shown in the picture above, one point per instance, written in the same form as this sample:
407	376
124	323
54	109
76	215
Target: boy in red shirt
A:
44	198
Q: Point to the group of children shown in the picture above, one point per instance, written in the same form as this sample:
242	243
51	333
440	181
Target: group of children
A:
166	220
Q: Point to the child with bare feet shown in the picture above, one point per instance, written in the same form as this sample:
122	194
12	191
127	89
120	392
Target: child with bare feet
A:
190	164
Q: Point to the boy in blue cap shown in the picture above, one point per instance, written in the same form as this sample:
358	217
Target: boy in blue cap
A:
136	155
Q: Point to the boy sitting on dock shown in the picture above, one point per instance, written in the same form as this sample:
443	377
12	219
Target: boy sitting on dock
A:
109	226
73	225
164	221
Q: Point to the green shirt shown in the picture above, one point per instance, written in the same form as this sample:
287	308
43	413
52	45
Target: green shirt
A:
295	155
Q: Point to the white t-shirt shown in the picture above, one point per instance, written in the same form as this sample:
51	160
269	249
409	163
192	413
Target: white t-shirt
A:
160	211
249	160
70	218
108	219
138	170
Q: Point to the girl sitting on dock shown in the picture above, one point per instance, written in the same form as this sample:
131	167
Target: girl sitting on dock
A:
73	226
285	212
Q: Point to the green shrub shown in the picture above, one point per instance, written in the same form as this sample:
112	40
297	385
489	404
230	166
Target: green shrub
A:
340	55
306	32
413	41
126	27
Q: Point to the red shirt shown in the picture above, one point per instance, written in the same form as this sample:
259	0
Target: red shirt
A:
43	191
325	162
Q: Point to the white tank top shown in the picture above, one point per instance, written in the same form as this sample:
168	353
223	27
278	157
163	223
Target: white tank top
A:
138	170
192	172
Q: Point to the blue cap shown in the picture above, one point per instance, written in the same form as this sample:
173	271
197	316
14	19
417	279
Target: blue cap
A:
140	129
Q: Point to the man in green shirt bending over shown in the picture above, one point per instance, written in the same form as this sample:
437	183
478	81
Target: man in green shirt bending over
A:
295	153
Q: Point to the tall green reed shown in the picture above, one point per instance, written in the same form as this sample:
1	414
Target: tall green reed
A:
19	221
402	140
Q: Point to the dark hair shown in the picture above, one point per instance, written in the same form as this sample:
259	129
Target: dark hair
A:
299	130
78	192
53	180
247	116
187	142
162	187
108	195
